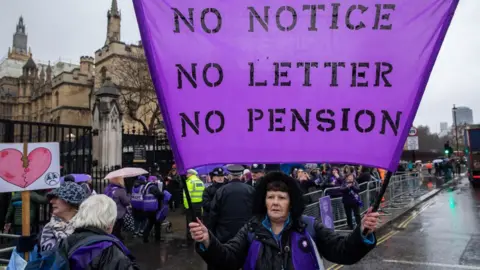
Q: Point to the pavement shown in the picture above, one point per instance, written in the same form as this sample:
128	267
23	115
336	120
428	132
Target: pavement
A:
390	212
170	254
440	233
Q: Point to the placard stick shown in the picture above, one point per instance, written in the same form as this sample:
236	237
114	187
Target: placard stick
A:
378	200
25	200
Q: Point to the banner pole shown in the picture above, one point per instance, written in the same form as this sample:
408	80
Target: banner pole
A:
378	200
189	200
25	201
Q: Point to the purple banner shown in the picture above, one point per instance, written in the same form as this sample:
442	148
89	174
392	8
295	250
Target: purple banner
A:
326	212
252	81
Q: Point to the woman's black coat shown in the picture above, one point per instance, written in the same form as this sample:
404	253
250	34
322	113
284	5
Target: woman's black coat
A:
331	246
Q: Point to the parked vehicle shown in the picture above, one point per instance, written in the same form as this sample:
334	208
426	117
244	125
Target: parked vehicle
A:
472	152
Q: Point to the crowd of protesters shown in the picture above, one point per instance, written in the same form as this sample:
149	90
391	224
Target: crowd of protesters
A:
444	167
224	199
224	194
264	227
341	181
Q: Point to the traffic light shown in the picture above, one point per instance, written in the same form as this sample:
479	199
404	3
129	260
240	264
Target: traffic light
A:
447	149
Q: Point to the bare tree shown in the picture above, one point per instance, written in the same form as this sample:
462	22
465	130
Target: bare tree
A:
452	137
428	141
138	98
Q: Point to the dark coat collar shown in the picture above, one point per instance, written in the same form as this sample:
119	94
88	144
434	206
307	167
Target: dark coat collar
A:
90	230
255	226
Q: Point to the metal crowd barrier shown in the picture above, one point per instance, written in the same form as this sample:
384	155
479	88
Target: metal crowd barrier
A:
7	250
402	189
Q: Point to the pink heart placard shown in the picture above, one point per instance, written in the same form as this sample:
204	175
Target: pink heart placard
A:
13	172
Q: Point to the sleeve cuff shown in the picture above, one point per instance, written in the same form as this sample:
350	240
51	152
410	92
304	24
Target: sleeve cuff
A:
202	247
369	239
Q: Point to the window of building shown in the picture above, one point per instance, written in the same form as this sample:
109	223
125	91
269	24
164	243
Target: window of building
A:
103	74
57	99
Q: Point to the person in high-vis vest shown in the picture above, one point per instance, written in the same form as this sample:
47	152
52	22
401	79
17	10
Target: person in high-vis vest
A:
195	188
382	173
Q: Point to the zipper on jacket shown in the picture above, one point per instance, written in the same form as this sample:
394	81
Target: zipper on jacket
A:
284	251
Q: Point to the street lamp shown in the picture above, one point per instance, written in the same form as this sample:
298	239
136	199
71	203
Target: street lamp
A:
455	123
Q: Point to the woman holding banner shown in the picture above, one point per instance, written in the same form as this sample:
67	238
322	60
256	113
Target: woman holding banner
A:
280	237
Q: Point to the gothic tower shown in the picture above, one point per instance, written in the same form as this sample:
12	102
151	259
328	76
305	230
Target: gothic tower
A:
113	27
19	46
27	84
29	77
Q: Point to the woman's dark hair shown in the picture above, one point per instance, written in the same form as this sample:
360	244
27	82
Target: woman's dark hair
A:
365	170
350	174
278	181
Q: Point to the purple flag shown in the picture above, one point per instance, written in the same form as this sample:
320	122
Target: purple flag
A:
254	81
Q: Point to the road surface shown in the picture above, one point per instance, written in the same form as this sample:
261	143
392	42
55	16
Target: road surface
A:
442	233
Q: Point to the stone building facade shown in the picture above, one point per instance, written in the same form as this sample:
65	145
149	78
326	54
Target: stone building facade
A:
126	66
37	92
65	93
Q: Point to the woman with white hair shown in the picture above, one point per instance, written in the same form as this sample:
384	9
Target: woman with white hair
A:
92	246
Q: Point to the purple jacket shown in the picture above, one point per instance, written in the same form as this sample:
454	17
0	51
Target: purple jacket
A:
120	197
348	198
334	181
105	255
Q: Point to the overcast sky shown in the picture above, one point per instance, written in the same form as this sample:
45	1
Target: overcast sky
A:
66	29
